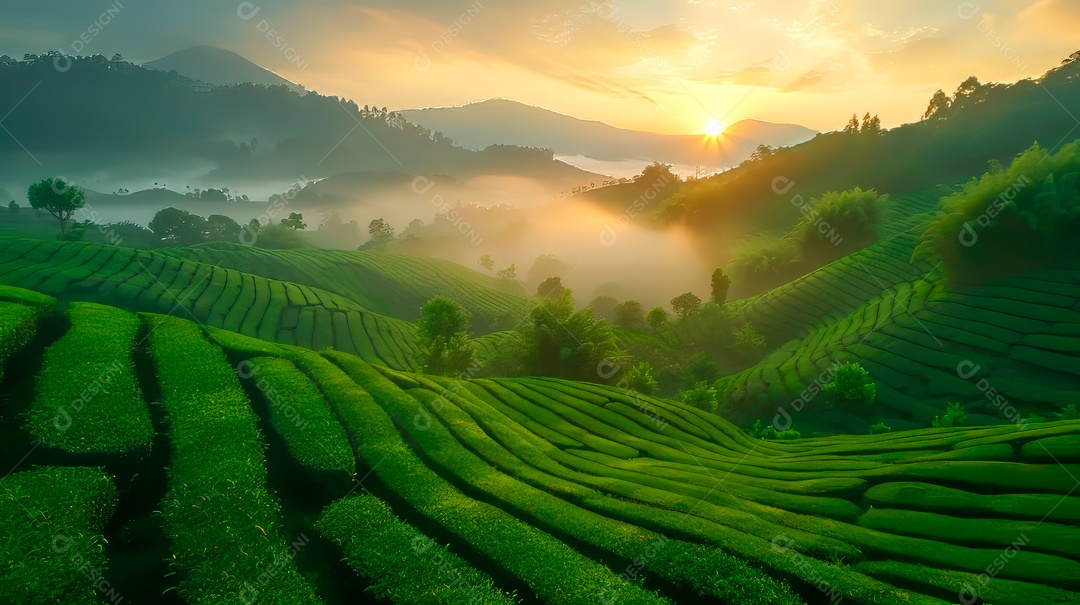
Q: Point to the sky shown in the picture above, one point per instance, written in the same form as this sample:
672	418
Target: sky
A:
672	66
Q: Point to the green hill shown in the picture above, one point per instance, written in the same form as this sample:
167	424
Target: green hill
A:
394	285
150	281
450	491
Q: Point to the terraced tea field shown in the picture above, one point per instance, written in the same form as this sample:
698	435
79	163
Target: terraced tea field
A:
394	285
1006	350
146	281
280	474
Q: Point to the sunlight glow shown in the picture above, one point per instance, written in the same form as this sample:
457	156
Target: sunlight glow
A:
714	127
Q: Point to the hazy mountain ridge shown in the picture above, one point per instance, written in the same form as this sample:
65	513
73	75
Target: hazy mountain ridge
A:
477	125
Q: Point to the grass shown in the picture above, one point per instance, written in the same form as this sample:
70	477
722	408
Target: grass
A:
88	398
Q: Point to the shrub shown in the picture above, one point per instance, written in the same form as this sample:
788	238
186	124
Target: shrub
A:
1011	220
850	386
223	525
835	220
880	428
18	325
701	396
88	398
640	378
51	524
402	564
1068	413
954	416
747	342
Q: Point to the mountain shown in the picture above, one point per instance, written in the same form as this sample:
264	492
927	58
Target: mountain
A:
108	124
215	65
477	125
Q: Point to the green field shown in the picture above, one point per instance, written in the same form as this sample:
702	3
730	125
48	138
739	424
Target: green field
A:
147	281
521	490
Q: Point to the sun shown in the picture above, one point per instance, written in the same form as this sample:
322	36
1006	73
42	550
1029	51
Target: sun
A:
714	127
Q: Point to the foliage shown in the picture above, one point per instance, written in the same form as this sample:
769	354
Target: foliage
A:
685	305
656	317
13	206
300	416
850	386
1068	412
221	228
550	288
640	378
1012	220
556	341
399	561
630	314
508	273
443	328
846	218
178	227
18	326
52	547
701	396
747	342
218	498
57	197
381	233
486	262
604	307
295	221
763	253
880	428
954	416
88	398
721	283
280	237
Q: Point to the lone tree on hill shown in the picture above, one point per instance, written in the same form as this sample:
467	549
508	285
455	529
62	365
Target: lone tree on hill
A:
58	198
444	330
721	283
686	304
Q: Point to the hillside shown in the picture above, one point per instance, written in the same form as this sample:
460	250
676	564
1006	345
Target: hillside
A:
478	125
542	489
394	285
147	124
219	66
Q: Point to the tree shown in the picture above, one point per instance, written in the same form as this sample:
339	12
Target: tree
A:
686	304
721	283
657	173
220	228
938	104
443	328
13	206
850	386
57	198
486	262
179	227
508	273
762	152
701	396
550	288
954	416
545	266
604	307
640	378
380	231
656	317
294	222
558	342
630	315
748	343
873	126
852	125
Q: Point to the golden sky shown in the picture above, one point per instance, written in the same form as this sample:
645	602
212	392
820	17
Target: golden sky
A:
661	65
670	66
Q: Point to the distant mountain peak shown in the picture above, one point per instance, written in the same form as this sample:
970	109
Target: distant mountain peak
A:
215	65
